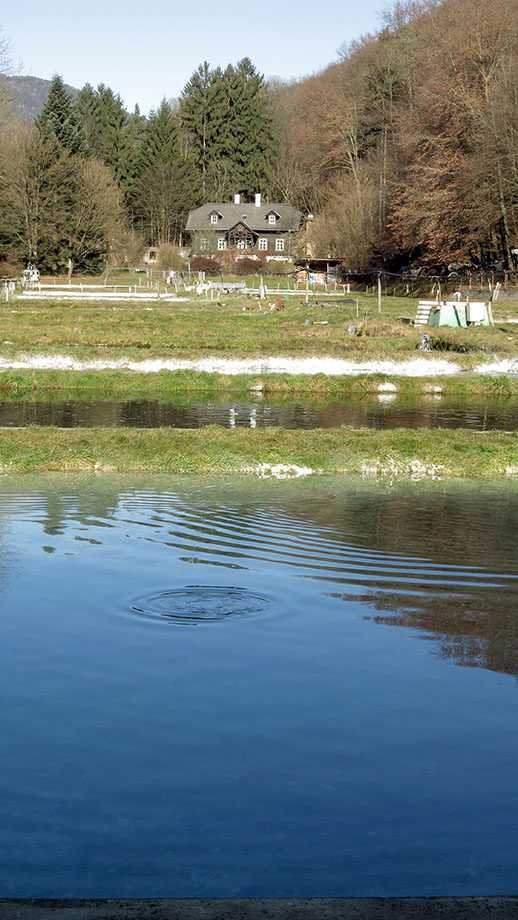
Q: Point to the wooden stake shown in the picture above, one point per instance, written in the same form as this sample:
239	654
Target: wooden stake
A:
379	293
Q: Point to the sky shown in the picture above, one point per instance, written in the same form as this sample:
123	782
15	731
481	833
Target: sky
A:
146	51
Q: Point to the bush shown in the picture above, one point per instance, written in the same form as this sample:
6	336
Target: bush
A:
278	268
247	266
11	268
205	264
169	257
127	248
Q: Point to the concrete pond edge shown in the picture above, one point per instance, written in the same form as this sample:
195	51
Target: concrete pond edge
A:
411	908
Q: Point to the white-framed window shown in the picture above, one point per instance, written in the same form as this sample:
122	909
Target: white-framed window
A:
204	245
279	245
222	244
213	218
271	218
262	244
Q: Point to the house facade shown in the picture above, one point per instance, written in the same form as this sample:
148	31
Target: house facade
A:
252	228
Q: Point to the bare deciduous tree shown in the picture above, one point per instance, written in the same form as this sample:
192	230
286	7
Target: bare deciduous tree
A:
36	192
96	218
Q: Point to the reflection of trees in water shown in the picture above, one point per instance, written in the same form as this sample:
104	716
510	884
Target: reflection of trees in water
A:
445	556
471	614
8	562
84	507
474	631
470	525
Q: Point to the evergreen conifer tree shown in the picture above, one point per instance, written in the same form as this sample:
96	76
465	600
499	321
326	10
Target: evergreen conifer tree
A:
229	123
203	112
167	188
134	134
250	144
161	138
113	136
113	120
87	103
60	117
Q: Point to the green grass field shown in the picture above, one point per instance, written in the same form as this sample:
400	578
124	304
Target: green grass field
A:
242	327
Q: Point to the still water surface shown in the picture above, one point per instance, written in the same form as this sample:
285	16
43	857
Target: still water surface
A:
384	411
246	688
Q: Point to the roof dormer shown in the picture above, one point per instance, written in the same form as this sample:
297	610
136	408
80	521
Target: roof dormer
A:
215	217
272	217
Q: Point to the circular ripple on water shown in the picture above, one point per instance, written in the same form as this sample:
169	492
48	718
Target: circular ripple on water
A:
196	604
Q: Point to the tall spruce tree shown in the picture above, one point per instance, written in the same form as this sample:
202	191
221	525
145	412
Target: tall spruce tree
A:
113	136
87	102
249	139
113	120
134	135
61	118
228	119
161	138
167	188
203	110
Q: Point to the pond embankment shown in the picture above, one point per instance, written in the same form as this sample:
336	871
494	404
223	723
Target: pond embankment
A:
269	452
314	349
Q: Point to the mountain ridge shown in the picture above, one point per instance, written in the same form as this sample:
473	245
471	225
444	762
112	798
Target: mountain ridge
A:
29	95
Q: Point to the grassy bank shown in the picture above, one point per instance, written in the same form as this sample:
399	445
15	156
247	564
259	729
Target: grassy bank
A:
177	386
215	450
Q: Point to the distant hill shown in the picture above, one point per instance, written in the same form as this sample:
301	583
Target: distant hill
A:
29	95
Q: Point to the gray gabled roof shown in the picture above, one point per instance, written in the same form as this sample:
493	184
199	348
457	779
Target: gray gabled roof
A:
256	217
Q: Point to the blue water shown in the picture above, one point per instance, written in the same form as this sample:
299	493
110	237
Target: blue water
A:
249	688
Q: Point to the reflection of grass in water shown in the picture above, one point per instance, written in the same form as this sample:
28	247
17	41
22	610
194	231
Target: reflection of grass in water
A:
208	450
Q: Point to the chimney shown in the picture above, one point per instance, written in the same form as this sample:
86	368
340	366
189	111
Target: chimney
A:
258	199
237	199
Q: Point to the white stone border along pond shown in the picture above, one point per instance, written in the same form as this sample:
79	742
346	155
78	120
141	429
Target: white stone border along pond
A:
419	367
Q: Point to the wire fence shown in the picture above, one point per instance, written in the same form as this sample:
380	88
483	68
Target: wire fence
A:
397	284
418	284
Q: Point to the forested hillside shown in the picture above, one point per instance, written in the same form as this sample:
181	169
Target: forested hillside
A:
28	96
408	148
405	150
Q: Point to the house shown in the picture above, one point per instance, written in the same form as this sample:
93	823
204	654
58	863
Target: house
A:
259	230
151	256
